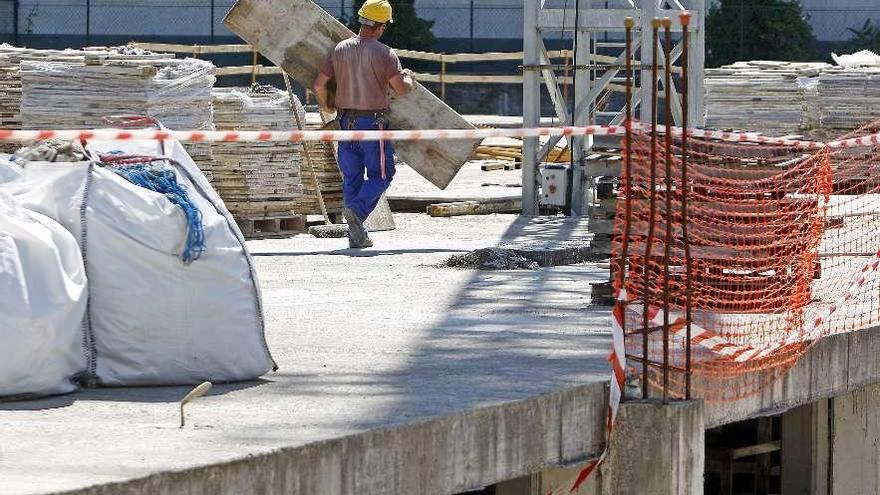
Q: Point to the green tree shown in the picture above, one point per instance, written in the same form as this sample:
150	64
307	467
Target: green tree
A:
866	37
409	31
756	30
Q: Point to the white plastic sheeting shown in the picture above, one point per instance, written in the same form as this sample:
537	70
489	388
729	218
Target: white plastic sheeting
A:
154	320
864	58
42	302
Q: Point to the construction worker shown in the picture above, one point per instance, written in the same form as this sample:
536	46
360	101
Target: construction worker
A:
363	69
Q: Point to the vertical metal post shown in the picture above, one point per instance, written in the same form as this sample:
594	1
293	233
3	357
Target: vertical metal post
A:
696	62
88	22
685	18
668	191
212	19
621	268
652	194
15	8
472	25
649	12
582	190
531	106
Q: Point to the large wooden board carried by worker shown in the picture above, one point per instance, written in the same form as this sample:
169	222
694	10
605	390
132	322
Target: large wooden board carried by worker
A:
297	35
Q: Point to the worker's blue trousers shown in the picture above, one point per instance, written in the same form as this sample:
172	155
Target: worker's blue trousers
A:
359	158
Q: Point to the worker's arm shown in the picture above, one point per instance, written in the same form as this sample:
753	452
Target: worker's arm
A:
321	93
403	82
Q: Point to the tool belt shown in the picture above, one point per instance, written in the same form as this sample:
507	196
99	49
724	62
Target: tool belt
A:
378	114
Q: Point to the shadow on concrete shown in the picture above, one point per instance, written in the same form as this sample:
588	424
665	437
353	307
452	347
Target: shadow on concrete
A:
509	335
126	394
357	253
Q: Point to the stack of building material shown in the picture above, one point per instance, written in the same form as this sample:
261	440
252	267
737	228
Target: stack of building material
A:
320	167
257	181
763	96
322	157
849	98
10	73
81	89
76	94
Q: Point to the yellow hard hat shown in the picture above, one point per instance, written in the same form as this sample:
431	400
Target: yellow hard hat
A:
377	11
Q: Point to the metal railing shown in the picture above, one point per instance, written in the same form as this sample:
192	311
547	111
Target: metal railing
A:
442	77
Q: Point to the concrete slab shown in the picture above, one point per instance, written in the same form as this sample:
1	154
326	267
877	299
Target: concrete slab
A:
551	241
411	192
396	377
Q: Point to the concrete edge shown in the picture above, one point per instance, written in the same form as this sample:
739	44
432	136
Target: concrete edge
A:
834	365
560	256
451	454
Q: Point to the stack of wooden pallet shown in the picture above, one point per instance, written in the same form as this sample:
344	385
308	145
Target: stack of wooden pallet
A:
849	98
764	96
323	160
319	162
257	181
82	94
510	150
81	89
10	73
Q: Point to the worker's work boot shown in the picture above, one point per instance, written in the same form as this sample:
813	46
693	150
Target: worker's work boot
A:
357	234
367	244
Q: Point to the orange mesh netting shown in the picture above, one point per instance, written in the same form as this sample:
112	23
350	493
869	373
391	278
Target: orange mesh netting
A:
782	245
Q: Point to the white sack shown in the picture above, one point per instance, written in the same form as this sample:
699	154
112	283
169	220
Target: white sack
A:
155	320
42	303
9	171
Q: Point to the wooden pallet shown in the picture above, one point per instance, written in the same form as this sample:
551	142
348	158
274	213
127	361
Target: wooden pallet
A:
500	165
264	228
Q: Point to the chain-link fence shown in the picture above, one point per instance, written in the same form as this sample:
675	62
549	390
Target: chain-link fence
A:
459	25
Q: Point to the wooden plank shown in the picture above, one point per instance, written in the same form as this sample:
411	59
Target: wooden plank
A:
410	54
484	207
297	35
416	55
260	70
193	49
763	461
763	448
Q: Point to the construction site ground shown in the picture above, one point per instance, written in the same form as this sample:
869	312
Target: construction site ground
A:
366	341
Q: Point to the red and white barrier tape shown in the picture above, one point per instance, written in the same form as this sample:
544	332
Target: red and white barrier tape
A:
298	136
617	358
10	135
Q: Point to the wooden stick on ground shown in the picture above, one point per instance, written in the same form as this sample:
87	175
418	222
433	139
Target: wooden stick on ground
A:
301	126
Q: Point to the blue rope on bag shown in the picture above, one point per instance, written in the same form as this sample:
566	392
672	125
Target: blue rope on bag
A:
164	181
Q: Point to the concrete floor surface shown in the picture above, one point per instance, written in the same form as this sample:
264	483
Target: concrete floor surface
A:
364	339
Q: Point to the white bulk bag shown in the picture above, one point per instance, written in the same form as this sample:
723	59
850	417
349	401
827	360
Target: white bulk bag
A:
9	171
154	320
42	303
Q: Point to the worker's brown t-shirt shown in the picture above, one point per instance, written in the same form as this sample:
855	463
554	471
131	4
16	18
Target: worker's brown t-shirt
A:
362	68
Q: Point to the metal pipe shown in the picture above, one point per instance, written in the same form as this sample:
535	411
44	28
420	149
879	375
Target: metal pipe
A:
667	120
88	22
300	125
628	23
472	25
685	18
649	243
212	19
15	9
531	108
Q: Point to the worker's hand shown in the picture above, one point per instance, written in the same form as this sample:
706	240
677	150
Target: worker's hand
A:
408	73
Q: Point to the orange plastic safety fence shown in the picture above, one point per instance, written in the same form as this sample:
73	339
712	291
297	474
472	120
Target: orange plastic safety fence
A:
782	249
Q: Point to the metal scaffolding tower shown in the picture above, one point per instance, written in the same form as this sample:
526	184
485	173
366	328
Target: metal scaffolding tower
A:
596	29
